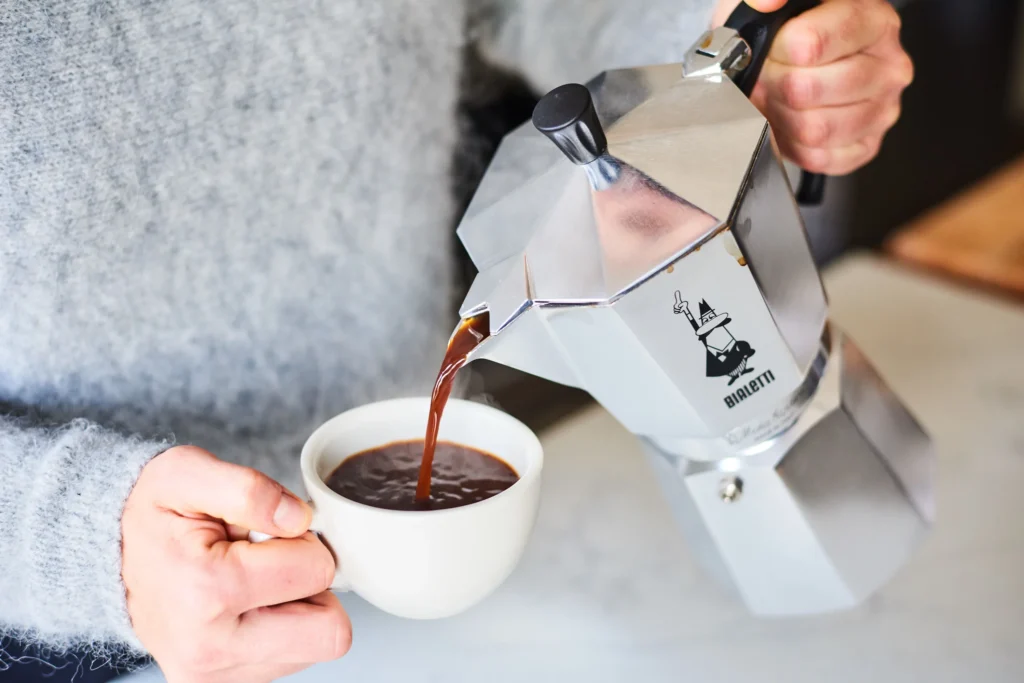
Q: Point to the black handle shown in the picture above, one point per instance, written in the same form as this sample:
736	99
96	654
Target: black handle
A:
759	30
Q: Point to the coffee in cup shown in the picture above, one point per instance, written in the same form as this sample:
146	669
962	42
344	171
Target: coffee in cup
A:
386	476
423	563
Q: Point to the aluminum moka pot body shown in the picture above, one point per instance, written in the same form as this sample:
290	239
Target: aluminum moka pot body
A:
640	240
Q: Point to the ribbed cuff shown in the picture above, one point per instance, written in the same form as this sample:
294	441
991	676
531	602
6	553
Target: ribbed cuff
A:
70	539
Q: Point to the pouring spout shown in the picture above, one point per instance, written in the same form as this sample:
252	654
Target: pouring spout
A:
482	350
525	342
502	292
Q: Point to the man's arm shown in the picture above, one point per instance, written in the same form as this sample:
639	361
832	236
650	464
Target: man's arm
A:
551	42
62	492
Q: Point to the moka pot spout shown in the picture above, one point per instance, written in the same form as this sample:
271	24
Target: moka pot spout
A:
523	341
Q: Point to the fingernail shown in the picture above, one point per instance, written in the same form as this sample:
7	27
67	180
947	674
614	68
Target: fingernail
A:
290	515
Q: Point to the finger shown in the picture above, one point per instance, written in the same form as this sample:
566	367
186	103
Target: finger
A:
832	31
890	46
836	161
832	127
194	482
280	570
314	630
857	78
724	8
766	5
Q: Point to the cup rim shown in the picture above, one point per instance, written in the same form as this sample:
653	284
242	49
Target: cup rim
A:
312	478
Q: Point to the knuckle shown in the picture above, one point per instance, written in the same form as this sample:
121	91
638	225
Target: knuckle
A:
868	150
868	119
904	71
806	44
799	90
812	130
814	160
851	25
211	590
881	12
860	74
208	605
257	492
204	654
892	18
814	44
251	483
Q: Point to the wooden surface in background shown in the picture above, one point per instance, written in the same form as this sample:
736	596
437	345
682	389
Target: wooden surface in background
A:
977	236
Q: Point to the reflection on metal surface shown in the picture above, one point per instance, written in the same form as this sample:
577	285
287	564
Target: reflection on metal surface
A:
720	52
770	233
830	510
663	268
640	226
731	489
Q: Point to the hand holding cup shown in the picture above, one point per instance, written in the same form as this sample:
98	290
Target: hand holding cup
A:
209	605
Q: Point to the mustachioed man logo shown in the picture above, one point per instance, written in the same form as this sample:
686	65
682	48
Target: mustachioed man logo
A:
726	356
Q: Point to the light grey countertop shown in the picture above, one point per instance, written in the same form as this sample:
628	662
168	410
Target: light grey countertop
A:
608	591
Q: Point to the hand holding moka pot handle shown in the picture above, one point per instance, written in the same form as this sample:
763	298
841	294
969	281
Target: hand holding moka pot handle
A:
759	30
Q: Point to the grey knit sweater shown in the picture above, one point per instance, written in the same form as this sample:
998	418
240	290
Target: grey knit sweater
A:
221	222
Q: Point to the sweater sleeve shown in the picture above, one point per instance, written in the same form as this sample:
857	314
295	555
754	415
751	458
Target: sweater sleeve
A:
62	491
551	42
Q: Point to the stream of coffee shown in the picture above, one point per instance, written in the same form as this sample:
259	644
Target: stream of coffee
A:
470	333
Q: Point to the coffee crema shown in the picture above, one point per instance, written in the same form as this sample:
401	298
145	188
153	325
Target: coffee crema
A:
387	476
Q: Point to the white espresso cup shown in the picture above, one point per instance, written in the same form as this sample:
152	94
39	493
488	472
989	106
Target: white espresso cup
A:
423	564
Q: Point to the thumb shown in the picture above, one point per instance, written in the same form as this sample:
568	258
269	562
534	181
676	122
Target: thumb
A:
766	5
724	8
198	483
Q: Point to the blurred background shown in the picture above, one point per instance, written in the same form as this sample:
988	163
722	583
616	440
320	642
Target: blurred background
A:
944	169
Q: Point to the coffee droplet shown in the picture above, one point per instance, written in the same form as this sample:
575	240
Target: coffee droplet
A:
733	249
670	269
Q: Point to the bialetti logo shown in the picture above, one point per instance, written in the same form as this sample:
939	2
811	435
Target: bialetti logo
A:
726	355
753	386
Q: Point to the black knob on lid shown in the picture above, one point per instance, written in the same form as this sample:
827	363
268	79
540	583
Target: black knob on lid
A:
567	116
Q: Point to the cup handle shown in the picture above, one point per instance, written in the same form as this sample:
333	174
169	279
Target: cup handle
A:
340	583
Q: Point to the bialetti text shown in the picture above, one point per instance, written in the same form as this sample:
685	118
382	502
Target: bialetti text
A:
749	389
